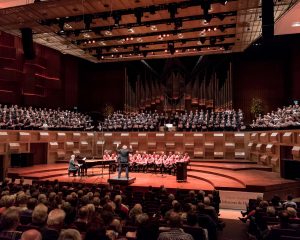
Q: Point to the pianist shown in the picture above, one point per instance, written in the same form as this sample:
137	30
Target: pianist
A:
73	167
123	159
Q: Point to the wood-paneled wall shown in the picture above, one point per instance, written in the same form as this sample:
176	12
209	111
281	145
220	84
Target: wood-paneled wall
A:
263	147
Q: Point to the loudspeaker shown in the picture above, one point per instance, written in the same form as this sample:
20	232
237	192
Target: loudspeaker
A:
290	169
267	19
27	42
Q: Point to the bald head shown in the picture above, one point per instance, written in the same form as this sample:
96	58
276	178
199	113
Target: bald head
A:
31	234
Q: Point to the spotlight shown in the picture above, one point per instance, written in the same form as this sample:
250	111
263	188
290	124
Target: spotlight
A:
171	47
202	40
221	17
222	39
87	21
136	49
117	18
172	9
61	25
205	5
145	54
208	18
77	33
212	40
226	47
152	10
222	28
177	24
138	15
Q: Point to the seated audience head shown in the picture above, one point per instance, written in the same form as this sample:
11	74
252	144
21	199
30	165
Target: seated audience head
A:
40	214
69	234
206	201
284	218
56	218
292	212
174	220
10	219
31	234
192	218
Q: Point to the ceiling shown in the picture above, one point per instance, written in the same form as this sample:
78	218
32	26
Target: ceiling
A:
119	30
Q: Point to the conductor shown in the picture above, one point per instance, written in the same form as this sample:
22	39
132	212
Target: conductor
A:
123	159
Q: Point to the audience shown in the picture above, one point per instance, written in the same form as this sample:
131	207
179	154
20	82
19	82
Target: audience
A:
283	118
29	118
192	121
77	211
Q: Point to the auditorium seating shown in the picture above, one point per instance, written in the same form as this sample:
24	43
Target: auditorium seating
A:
84	205
283	118
227	120
29	118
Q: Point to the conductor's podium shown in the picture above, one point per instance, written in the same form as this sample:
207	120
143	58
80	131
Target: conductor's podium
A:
181	174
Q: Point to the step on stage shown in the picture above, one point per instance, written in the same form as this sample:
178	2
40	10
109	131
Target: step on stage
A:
121	181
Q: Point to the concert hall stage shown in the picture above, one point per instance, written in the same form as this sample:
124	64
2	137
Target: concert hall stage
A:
227	175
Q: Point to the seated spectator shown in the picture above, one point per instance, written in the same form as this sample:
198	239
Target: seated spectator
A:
39	216
136	210
175	233
290	202
292	213
82	220
205	221
31	234
55	223
9	222
69	234
284	224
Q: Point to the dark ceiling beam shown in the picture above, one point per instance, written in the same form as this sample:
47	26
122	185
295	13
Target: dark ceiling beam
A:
147	23
182	49
145	44
156	33
149	9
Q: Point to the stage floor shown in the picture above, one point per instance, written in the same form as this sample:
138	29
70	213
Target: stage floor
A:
229	175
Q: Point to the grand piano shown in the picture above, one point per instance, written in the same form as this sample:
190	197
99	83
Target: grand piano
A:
85	163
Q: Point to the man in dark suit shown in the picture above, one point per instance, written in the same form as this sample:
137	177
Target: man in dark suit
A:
123	159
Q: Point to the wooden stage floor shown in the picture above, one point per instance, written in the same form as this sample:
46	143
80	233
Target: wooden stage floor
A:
230	175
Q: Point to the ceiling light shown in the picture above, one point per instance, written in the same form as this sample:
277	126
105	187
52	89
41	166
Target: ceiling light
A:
122	41
160	37
224	2
108	33
204	22
296	24
115	50
68	26
139	39
130	30
86	35
153	28
180	35
102	43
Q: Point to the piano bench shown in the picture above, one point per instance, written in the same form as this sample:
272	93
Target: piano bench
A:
73	172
